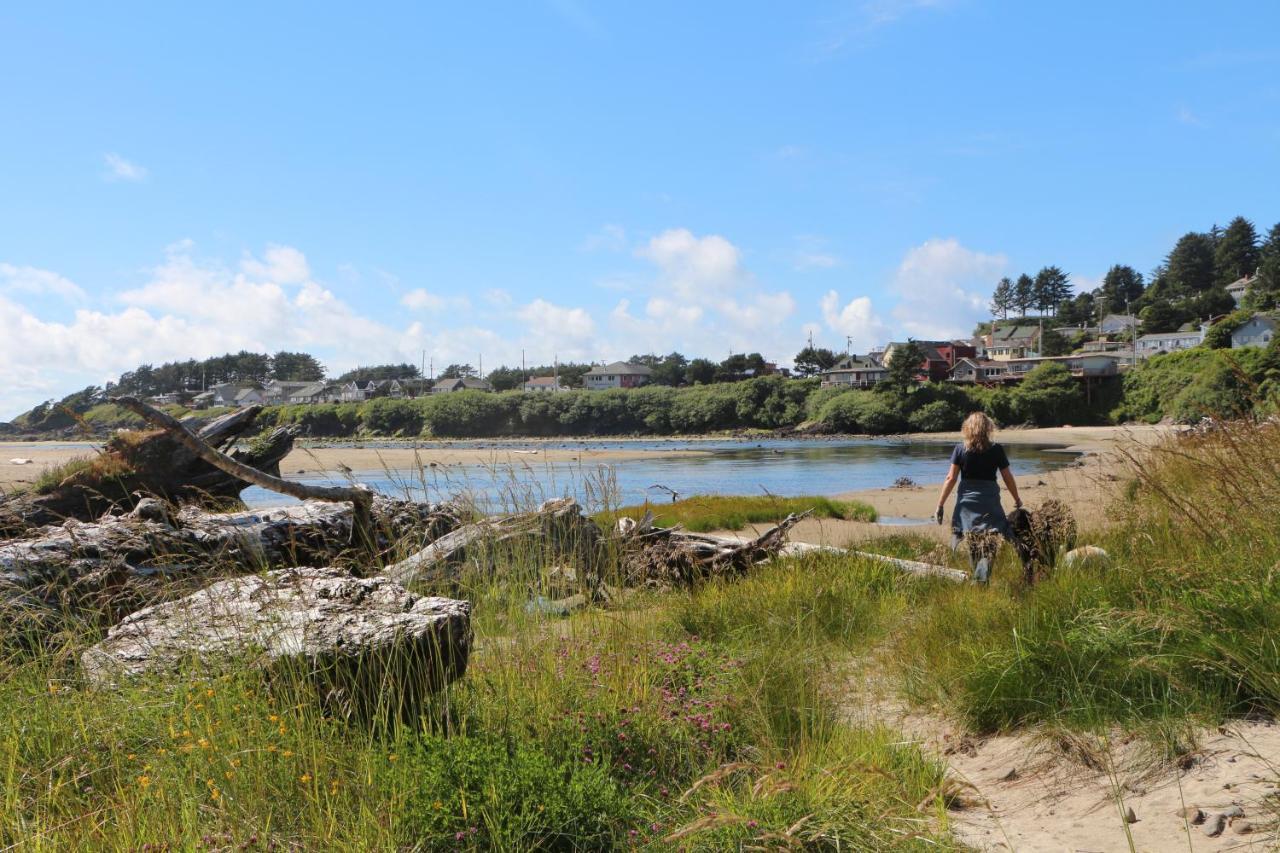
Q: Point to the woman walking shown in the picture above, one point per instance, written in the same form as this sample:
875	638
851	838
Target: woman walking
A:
975	463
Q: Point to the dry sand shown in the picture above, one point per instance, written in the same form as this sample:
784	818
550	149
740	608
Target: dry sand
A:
1032	791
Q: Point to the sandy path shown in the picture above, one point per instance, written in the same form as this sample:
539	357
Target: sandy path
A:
1028	791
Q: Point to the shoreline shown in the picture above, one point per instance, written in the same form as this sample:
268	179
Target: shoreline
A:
378	454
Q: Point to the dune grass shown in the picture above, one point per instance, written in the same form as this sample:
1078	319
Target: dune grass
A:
695	720
705	513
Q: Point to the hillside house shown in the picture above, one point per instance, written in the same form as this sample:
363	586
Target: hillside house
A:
620	374
1257	332
246	397
1089	365
465	383
1117	324
1006	342
978	371
544	384
1158	342
939	357
1238	288
853	372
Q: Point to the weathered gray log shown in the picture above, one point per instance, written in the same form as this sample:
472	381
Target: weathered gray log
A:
135	464
79	564
368	647
657	556
360	498
558	527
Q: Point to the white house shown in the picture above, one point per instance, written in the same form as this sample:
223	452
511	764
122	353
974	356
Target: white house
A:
1257	332
544	384
620	374
979	371
1158	342
853	372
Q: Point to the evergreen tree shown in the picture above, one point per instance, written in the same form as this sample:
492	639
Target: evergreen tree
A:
906	361
813	360
296	367
1264	293
1236	254
1121	286
456	371
701	371
1024	294
1002	298
1051	287
1190	264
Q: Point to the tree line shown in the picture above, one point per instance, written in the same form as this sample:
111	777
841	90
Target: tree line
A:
1188	286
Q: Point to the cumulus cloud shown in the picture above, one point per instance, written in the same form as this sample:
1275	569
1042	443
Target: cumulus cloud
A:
37	281
281	264
943	288
543	319
120	169
692	265
856	321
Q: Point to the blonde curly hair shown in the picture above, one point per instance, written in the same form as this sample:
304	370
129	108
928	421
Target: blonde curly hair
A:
977	431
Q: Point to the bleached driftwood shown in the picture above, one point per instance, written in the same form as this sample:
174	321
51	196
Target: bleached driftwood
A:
370	649
78	564
672	556
360	498
136	464
558	526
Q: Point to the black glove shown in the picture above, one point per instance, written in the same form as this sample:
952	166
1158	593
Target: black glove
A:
937	516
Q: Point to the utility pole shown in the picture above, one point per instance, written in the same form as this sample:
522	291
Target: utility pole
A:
523	367
848	344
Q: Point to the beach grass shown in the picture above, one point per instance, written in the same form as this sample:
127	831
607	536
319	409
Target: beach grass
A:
704	513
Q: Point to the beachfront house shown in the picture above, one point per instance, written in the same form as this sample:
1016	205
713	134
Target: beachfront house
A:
620	374
1258	331
1158	342
464	383
544	384
853	371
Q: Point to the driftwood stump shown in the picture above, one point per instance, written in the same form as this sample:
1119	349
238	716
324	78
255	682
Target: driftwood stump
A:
139	463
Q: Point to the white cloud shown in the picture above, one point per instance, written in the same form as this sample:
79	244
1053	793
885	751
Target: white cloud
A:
543	319
32	280
856	322
281	264
420	300
692	264
943	288
120	169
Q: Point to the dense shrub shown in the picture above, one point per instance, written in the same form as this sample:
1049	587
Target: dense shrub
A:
869	412
1199	382
386	416
938	416
1048	395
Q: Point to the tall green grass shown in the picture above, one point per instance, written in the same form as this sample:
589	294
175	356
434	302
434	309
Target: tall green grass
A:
705	513
1184	622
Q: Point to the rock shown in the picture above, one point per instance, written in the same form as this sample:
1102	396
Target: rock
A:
368	647
1130	816
1192	815
1010	775
1213	828
1241	827
1233	812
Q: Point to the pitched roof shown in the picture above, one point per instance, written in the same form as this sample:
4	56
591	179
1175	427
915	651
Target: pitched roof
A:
618	367
1009	333
543	380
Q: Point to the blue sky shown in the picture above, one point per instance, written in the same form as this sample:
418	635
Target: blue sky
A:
589	181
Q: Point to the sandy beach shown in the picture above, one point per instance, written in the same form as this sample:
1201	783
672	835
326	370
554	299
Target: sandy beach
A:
1086	487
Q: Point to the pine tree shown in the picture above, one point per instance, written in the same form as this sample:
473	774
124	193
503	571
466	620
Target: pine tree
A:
1190	264
905	363
1051	287
1264	293
1121	286
1236	253
1024	294
1002	298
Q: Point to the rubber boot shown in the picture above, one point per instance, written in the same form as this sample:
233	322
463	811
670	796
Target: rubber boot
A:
982	570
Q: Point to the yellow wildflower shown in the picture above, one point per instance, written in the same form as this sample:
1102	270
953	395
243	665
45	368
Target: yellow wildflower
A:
144	781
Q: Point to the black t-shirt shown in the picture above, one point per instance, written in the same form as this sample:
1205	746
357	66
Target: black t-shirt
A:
979	464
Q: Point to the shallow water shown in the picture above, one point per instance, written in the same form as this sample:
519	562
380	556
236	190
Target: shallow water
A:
785	467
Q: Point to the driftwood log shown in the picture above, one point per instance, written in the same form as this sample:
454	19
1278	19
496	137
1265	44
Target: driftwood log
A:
558	530
118	563
360	498
138	463
671	556
366	648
